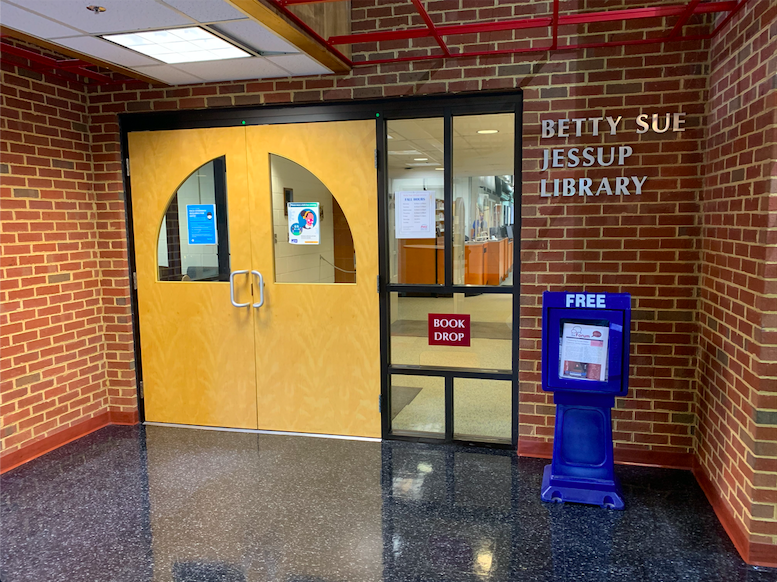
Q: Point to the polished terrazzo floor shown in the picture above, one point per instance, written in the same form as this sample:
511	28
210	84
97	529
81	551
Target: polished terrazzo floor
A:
174	505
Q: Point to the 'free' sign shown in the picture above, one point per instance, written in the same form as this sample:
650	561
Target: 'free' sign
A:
589	300
447	329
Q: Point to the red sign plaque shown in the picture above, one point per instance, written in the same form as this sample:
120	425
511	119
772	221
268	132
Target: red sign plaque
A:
446	329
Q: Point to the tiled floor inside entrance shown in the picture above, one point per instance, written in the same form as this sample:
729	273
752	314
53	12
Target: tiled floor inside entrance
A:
170	504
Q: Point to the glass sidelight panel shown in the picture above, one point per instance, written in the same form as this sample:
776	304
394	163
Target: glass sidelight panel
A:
313	241
417	405
491	323
482	409
193	241
483	199
415	199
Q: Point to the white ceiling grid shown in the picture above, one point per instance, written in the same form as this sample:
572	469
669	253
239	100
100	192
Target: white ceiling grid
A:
69	24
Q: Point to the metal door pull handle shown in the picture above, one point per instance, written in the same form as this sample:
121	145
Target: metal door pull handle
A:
232	289
261	289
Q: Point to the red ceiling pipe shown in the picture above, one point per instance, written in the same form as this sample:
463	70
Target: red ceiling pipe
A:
555	25
678	27
563	20
563	47
430	25
70	65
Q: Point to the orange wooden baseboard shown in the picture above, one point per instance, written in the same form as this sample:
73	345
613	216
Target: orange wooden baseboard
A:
643	458
48	444
753	553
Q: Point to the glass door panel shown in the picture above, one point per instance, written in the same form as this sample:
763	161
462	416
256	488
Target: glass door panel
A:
415	192
482	409
451	215
483	199
418	405
491	331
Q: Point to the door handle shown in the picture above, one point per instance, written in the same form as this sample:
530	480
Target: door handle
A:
232	289
261	289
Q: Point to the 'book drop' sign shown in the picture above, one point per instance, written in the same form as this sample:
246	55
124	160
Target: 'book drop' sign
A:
447	329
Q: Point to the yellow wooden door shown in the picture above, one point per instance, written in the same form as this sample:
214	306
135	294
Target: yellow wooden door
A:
318	344
197	348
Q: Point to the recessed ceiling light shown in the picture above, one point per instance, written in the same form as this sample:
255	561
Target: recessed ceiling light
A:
439	169
484	131
420	159
179	45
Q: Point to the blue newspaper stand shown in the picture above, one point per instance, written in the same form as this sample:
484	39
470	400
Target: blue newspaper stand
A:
585	363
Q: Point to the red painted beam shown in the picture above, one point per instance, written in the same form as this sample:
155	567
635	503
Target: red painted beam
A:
678	27
563	47
555	24
71	65
540	22
430	25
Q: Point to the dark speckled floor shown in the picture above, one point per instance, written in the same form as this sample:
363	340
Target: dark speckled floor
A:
174	505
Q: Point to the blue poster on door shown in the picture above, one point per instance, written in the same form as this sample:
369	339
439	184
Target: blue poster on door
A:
201	224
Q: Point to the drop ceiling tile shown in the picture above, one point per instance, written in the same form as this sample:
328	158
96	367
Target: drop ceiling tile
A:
299	65
207	10
24	21
119	15
256	36
106	51
233	69
168	74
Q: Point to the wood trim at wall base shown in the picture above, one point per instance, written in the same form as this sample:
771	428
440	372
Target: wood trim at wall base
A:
63	437
643	458
535	449
124	418
755	554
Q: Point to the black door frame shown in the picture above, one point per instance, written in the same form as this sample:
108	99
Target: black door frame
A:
447	109
380	110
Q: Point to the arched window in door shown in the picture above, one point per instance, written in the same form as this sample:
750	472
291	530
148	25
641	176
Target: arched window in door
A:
193	242
313	241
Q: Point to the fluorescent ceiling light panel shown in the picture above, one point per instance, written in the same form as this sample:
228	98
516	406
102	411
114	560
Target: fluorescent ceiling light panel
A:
179	45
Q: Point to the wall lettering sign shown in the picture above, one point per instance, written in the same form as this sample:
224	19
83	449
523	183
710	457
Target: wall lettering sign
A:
599	156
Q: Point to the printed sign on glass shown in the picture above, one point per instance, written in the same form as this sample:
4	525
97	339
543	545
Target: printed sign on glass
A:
303	223
414	215
201	224
446	329
583	354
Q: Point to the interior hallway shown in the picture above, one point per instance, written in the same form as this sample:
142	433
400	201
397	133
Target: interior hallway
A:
166	504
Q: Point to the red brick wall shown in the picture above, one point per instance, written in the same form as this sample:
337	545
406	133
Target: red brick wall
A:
738	290
53	348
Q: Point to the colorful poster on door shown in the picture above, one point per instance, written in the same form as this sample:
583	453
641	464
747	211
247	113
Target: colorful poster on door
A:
414	215
201	224
303	223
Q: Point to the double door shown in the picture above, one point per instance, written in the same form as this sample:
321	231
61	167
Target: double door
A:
239	326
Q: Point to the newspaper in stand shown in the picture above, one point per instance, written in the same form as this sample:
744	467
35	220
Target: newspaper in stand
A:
583	354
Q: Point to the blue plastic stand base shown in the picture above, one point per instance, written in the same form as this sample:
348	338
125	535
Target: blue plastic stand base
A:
560	490
582	470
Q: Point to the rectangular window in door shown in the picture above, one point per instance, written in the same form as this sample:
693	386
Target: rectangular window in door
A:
416	204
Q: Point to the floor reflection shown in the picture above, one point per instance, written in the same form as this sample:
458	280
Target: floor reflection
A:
173	505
